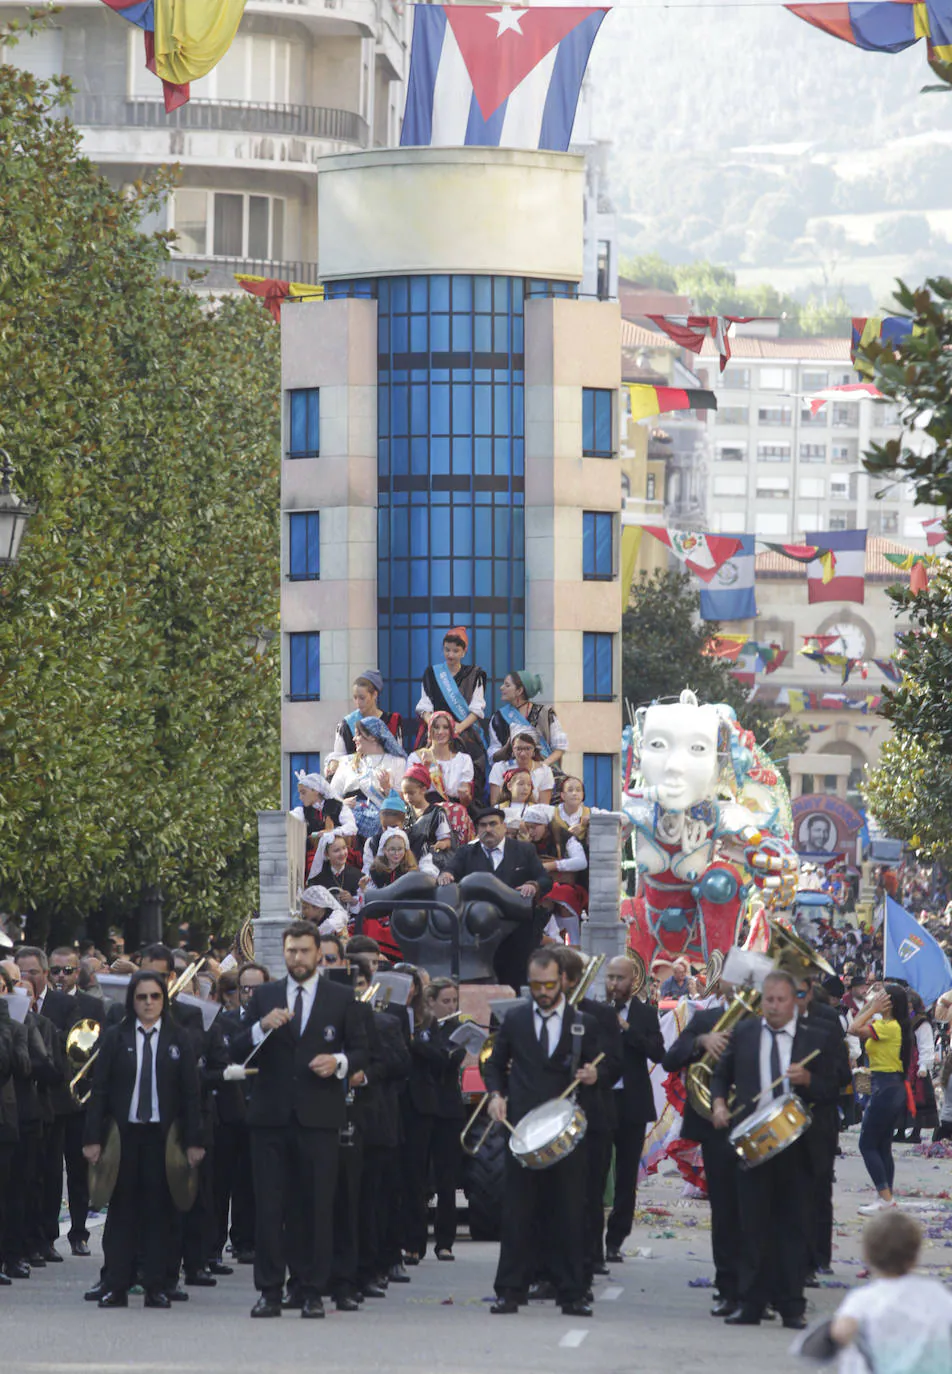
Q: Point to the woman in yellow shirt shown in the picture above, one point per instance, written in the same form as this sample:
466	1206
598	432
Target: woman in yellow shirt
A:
885	1027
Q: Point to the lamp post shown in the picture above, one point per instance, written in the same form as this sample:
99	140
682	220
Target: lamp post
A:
15	515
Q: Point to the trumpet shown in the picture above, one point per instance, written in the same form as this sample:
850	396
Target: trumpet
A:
82	1050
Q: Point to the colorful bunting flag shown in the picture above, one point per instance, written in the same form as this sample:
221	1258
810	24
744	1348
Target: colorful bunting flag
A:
690	331
856	391
849	580
183	39
807	553
887	26
916	565
725	646
730	594
701	553
891	329
659	400
818	729
273	292
889	668
777	660
935	531
630	546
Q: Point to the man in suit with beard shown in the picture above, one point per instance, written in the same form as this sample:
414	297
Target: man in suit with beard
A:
310	1038
774	1196
536	1056
515	863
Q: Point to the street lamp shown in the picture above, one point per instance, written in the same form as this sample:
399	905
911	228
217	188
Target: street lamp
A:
15	515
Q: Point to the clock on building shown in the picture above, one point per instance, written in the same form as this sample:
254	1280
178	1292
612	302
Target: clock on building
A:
851	639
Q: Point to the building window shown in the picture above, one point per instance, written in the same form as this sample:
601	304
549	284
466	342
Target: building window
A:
228	224
733	415
730	485
257	69
597	427
732	452
844	453
736	378
603	269
304	423
304	544
774	379
773	453
845	416
300	763
768	524
650	486
812	488
813	381
810	421
597	667
773	488
840	488
775	415
598	775
304	667
598	546
885	522
813	453
843	520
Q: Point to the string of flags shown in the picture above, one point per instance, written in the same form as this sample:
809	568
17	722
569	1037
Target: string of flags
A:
751	656
273	293
888	26
889	329
691	331
183	41
801	699
646	400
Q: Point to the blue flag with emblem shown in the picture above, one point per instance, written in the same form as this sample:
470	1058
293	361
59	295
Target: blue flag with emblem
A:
910	953
730	593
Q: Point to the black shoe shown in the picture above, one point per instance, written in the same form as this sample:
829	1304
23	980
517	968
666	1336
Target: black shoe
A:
398	1274
614	1255
157	1299
343	1304
117	1299
4	1281
36	1261
17	1269
313	1307
292	1302
504	1307
824	1269
811	1281
541	1292
576	1309
445	1255
216	1267
724	1308
200	1279
176	1295
601	1271
245	1257
411	1260
373	1290
266	1307
52	1255
743	1317
95	1293
795	1323
79	1247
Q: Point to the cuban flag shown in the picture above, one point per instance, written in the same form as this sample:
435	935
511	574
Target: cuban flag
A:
496	76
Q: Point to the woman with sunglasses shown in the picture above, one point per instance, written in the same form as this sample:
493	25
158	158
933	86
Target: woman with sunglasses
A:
145	1079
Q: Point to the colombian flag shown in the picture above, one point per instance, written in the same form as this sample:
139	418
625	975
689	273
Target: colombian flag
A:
891	329
657	400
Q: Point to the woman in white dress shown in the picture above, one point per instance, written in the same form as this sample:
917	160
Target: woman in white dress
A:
442	748
525	754
367	776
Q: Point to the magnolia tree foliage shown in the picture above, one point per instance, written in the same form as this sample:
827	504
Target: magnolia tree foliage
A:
138	728
910	792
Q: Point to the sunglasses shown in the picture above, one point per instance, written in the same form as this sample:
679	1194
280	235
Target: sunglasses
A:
148	997
56	969
538	986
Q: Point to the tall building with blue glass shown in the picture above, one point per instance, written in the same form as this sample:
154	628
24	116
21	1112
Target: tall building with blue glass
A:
450	437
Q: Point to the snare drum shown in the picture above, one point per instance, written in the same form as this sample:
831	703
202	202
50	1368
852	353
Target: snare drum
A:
548	1133
770	1129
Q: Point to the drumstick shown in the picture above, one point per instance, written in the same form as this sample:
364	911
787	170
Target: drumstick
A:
572	1086
770	1086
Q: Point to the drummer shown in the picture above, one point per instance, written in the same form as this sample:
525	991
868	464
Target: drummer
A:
763	1061
535	1058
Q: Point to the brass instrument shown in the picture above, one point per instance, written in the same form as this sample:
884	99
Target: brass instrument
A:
792	955
472	1149
246	942
82	1047
186	976
593	964
641	972
370	993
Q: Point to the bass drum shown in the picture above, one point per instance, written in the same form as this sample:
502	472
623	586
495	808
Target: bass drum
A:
770	1129
548	1133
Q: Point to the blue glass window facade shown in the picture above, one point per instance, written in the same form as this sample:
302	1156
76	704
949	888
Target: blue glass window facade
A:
598	546
304	423
304	667
309	763
598	777
597	669
304	546
598	430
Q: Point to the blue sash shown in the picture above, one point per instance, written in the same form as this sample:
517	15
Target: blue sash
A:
517	721
451	693
351	720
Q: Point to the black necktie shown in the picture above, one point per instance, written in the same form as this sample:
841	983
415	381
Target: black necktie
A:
775	1069
544	1029
489	855
297	1017
144	1105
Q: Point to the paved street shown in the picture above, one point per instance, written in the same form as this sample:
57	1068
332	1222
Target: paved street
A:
651	1315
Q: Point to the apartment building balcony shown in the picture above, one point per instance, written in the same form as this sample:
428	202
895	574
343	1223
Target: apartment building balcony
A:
220	272
325	16
221	116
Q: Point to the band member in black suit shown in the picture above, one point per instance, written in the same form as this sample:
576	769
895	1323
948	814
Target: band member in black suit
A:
234	1186
633	1093
536	1057
721	1164
310	1038
515	863
599	1105
65	1005
145	1079
823	1136
775	1195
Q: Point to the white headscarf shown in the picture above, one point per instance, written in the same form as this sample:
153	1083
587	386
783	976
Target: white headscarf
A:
387	834
312	780
319	896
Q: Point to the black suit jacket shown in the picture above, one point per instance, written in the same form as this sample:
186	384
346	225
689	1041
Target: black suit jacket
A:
683	1052
519	1067
284	1088
600	1103
520	864
64	1011
639	1043
114	1077
739	1066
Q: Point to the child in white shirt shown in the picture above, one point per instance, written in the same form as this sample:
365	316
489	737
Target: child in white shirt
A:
901	1322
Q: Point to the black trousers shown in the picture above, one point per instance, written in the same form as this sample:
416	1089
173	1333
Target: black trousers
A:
373	1213
295	1174
6	1160
774	1204
433	1152
543	1227
823	1141
21	1231
64	1143
629	1143
350	1167
234	1188
598	1145
141	1221
721	1167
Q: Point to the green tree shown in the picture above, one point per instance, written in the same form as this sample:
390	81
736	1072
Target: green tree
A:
138	729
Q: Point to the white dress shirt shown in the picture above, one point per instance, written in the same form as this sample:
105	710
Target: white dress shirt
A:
141	1032
309	990
785	1047
553	1025
496	855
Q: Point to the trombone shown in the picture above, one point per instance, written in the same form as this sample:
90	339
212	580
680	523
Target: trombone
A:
474	1148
